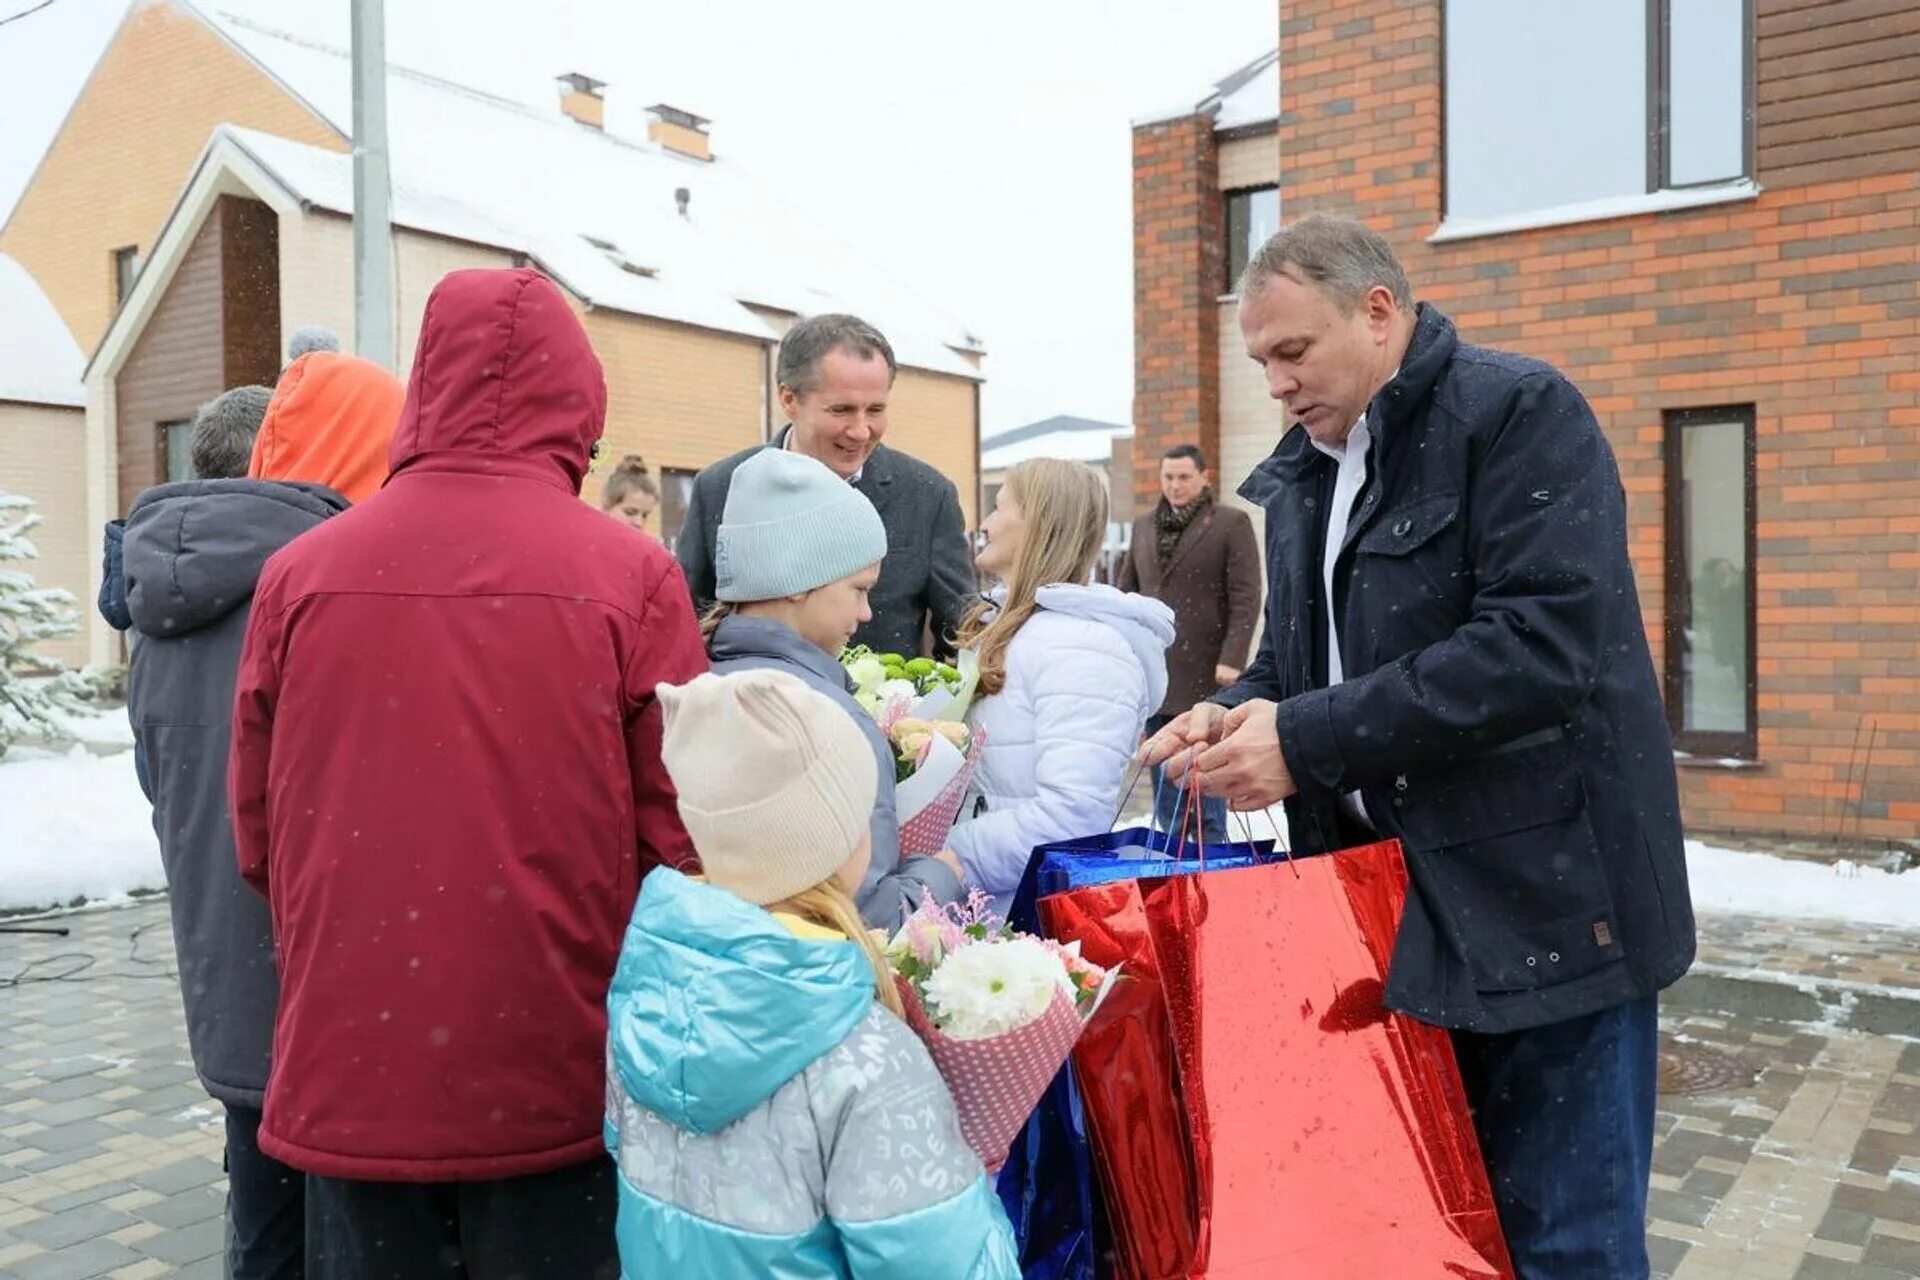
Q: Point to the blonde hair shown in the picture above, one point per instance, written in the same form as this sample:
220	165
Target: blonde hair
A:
830	906
711	621
1064	506
629	476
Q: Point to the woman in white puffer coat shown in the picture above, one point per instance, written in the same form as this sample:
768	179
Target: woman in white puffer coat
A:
1069	673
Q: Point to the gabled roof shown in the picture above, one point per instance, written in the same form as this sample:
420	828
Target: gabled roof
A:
1061	436
39	360
1247	98
1047	426
599	211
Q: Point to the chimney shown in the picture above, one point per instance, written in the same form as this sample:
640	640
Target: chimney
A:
680	132
582	98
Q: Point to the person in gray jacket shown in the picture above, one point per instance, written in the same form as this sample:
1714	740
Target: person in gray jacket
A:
798	552
223	432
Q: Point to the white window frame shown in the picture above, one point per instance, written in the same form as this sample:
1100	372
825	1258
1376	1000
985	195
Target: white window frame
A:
1661	196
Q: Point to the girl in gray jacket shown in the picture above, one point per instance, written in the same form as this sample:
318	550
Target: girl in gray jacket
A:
797	553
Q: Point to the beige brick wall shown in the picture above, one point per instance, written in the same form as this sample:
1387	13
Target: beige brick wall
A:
420	261
45	449
678	396
934	418
316	275
1250	162
127	149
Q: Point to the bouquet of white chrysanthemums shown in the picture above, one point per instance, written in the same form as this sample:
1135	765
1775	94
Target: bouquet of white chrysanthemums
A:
999	1011
921	706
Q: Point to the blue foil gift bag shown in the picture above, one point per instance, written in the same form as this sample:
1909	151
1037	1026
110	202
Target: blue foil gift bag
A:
1049	1187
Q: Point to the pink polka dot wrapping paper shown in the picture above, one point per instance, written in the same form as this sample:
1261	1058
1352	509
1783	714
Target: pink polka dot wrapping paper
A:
996	1083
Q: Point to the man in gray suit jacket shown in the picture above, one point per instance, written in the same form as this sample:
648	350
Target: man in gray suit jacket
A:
836	373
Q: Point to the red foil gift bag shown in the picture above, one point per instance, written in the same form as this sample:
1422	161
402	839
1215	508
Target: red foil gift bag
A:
1255	1110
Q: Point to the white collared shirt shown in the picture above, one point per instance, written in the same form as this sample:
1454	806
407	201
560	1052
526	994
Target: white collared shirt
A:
1352	478
787	444
1353	457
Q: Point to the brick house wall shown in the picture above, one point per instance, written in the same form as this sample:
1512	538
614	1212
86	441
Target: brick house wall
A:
41	440
127	148
680	395
1803	302
1179	272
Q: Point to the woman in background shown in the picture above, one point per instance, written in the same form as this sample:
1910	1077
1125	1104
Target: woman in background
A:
630	494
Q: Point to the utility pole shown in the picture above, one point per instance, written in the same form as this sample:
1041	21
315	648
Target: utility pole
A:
372	188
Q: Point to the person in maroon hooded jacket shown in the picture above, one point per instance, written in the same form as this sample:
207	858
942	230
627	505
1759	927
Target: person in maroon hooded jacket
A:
446	780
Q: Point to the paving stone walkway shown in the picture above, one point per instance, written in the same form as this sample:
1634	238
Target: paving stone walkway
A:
109	1149
1787	1144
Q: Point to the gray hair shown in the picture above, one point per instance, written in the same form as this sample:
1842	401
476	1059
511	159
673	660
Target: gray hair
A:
1345	257
809	341
223	432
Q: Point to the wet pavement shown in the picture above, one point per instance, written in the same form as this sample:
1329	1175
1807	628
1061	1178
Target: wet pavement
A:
1786	1144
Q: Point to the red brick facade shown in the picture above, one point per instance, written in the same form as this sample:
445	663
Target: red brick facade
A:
1804	303
1179	272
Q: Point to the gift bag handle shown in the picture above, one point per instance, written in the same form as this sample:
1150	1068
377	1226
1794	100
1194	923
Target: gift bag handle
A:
1126	793
1283	845
1180	837
1193	810
1193	832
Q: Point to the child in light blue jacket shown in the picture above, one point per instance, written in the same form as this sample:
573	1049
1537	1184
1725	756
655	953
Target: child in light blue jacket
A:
770	1113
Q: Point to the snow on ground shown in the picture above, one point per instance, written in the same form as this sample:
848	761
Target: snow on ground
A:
1731	882
73	826
97	728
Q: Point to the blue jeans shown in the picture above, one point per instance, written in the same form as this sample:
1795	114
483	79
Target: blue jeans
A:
1170	802
1565	1118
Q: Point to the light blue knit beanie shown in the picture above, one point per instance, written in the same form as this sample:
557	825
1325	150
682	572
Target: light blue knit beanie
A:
790	526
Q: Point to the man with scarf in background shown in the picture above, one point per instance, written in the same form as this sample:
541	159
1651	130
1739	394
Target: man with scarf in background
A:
1200	558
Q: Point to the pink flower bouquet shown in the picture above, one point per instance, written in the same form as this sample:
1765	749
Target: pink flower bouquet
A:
998	1010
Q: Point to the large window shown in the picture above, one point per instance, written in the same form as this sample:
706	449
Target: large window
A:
126	269
1576	101
176	450
1253	215
676	491
1709	633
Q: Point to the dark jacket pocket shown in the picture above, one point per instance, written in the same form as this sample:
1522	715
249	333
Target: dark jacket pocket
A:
1509	861
1410	526
1407	577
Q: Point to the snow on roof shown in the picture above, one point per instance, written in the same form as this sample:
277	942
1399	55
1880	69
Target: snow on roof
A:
325	179
1248	97
1076	439
40	362
1255	99
477	166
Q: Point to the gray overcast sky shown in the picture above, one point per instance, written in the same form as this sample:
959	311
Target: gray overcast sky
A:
980	153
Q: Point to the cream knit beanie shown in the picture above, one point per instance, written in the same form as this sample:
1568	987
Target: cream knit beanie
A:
776	781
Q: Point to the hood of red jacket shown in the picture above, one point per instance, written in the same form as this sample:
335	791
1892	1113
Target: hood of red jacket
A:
504	382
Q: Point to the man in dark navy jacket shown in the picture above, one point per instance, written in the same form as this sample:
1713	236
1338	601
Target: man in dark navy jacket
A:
1454	656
